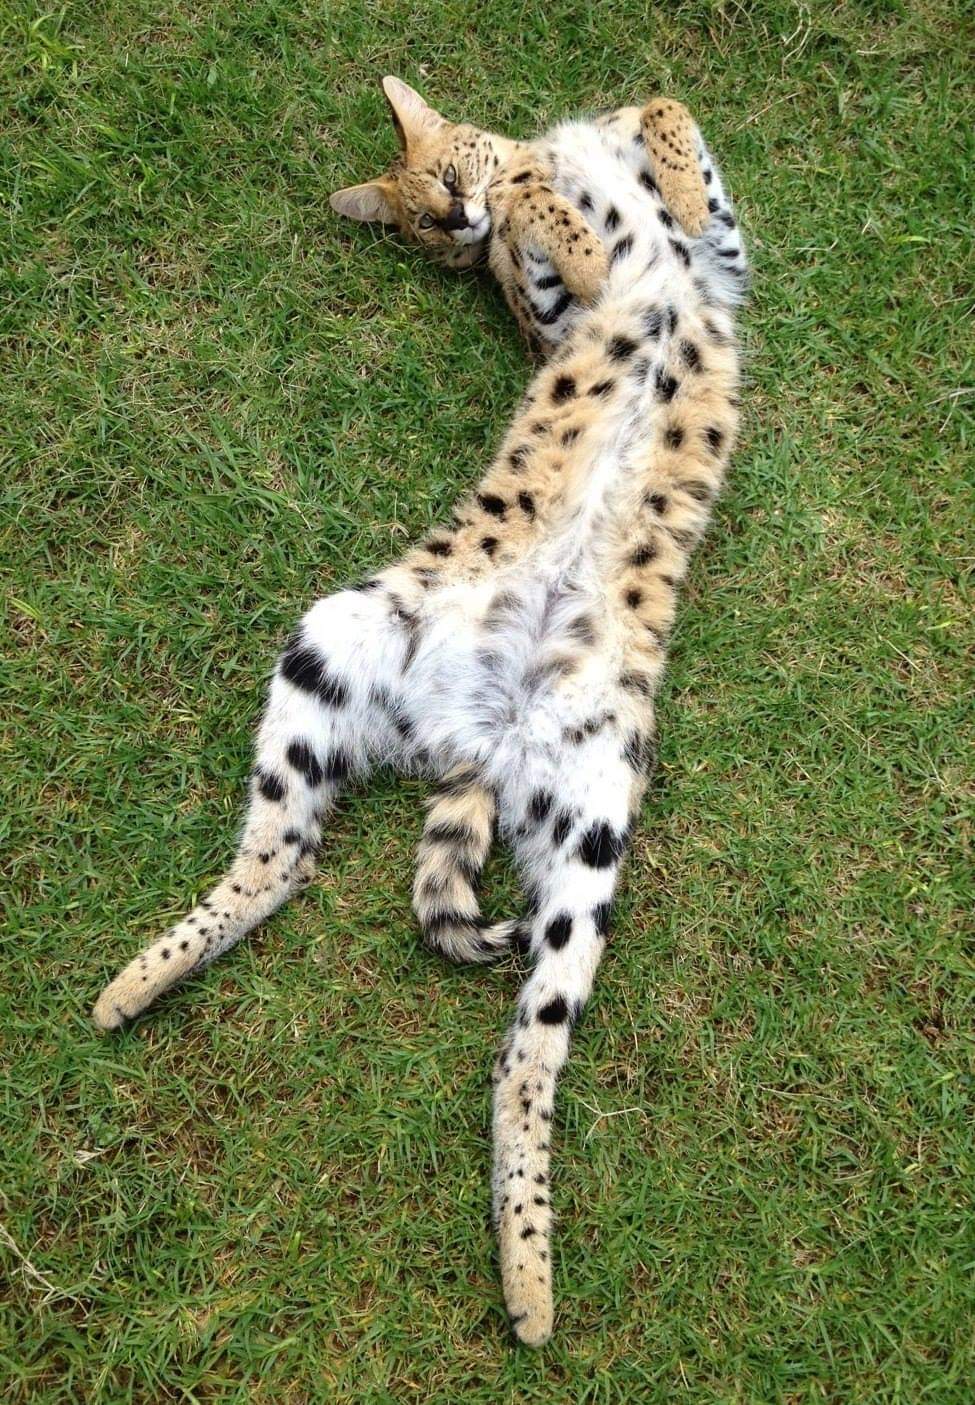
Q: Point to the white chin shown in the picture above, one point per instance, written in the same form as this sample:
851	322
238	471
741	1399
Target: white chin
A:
475	233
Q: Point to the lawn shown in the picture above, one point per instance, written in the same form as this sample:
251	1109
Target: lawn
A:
217	399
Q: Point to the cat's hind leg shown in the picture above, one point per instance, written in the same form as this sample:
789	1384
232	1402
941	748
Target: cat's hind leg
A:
330	712
575	854
671	141
531	214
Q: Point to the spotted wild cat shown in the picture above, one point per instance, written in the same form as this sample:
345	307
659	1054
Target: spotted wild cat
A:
514	656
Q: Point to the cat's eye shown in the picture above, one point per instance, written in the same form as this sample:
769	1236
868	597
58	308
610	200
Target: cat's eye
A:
450	178
426	221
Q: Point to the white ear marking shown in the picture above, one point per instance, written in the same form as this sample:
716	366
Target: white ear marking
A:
369	201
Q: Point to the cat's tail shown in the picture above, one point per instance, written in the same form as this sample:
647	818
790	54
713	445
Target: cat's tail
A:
454	848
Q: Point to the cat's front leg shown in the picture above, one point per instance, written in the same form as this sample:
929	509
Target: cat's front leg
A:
671	141
528	213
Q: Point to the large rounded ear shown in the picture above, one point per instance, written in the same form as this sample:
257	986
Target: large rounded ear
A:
369	201
412	117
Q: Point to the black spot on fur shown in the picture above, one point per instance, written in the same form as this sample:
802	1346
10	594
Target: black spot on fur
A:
521	177
165	953
658	502
521	940
621	248
492	504
612	218
647	180
644	554
635	682
583	629
555	1012
696	489
304	666
601	388
518	456
653	322
600	846
440	547
489	545
666	385
563	389
690	355
585	201
634	751
682	252
336	766
551	280
303	759
665	218
459	834
558	931
621	348
674	437
540	805
715	439
633	598
547	318
600	916
561	827
270	785
527	504
290	836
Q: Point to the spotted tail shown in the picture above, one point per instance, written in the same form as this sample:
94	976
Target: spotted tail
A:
454	848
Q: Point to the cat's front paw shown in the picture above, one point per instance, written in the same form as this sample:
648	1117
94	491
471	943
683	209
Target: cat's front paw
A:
584	274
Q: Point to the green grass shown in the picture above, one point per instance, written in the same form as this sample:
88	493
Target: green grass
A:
217	400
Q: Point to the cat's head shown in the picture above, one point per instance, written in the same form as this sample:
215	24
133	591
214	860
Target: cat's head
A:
436	191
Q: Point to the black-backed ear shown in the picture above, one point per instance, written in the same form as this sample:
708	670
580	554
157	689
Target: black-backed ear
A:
370	201
412	117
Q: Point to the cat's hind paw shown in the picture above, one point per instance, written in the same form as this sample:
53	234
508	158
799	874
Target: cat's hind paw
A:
116	1005
531	1317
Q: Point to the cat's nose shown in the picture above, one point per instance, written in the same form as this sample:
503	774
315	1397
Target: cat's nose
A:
456	217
